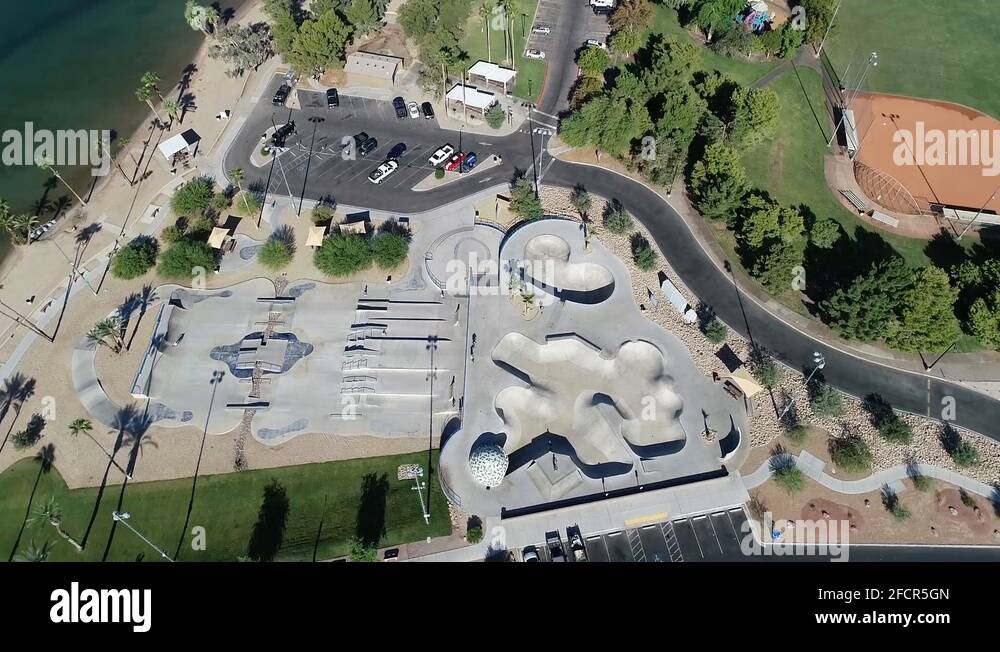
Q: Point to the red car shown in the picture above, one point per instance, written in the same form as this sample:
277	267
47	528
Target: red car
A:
455	162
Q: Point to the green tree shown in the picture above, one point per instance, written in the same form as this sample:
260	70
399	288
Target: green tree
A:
715	330
194	197
320	44
107	332
182	259
820	14
523	200
496	116
593	61
284	23
643	254
717	15
626	41
276	253
581	201
825	401
718	182
389	249
671	61
767	220
343	254
851	453
927	319
984	320
617	220
866	309
364	15
242	48
363	552
134	259
824	232
586	88
756	112
591	124
200	18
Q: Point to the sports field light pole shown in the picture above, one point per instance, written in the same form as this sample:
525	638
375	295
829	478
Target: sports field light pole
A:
818	363
420	486
872	62
975	217
828	28
123	517
315	120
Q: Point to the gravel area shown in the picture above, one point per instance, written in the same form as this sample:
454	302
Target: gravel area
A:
764	426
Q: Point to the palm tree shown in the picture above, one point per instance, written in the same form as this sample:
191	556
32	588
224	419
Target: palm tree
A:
581	201
50	512
48	166
172	109
16	390
35	553
148	85
239	176
484	17
85	426
201	18
107	332
23	225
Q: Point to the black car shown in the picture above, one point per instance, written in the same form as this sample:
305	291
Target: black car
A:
602	11
282	133
427	109
367	147
360	138
281	96
397	150
399	104
332	98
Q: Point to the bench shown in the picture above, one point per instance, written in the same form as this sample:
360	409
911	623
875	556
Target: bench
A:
885	219
859	204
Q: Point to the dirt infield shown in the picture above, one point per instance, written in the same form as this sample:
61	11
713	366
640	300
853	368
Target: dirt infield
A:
938	152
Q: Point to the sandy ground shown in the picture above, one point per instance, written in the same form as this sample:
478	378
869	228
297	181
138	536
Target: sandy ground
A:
880	117
937	515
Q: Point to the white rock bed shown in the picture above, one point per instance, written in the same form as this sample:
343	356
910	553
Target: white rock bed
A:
764	427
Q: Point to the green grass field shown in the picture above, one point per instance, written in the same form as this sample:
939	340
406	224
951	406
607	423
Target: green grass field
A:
940	49
312	510
530	73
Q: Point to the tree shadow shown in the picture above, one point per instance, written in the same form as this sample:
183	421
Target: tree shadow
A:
370	524
123	417
46	458
16	390
269	530
828	270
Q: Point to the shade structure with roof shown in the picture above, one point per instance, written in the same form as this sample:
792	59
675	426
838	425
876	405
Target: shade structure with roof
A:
185	141
490	75
316	236
217	238
463	97
371	69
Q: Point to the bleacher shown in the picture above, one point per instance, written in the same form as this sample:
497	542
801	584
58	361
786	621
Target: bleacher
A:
885	219
857	202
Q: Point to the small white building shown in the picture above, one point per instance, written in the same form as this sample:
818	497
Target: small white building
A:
490	75
465	98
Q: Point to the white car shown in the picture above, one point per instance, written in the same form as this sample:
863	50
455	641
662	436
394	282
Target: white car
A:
541	29
414	110
534	54
379	174
441	155
594	43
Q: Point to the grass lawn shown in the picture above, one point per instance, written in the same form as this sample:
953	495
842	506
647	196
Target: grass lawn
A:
940	49
313	509
530	73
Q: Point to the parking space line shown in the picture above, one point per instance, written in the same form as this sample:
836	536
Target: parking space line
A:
715	534
696	540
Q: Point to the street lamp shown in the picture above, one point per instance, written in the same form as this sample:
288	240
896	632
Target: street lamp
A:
432	345
123	517
818	363
315	120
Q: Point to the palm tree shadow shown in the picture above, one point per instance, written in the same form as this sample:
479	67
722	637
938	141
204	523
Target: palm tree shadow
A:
370	524
145	297
136	438
123	418
16	390
46	458
269	530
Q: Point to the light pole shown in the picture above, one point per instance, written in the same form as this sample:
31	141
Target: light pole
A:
818	363
828	28
123	517
432	341
315	120
419	487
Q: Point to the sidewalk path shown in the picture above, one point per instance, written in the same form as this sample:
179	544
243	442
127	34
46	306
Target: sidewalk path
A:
812	466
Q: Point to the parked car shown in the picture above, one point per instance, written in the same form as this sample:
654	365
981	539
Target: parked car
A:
470	161
541	29
397	150
332	98
360	138
427	110
399	104
594	43
534	54
392	554
454	162
281	95
414	110
367	147
379	174
602	11
576	544
554	543
282	133
441	155
530	553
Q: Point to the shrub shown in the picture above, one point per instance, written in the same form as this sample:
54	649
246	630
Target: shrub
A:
323	213
896	430
851	453
200	229
899	512
360	551
247	204
643	255
965	454
617	220
496	116
715	331
276	253
524	202
474	534
824	232
220	203
798	434
172	234
439	173
193	197
31	434
343	254
389	249
134	259
921	482
825	401
790	478
180	259
764	368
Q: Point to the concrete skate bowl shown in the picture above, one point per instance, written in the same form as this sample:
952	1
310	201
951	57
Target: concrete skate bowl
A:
552	271
455	255
600	405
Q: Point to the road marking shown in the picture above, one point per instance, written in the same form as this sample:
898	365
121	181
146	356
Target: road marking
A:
649	518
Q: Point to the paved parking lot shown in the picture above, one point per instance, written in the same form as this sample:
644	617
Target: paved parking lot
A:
711	537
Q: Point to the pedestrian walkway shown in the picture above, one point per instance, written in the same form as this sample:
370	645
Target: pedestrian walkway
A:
893	477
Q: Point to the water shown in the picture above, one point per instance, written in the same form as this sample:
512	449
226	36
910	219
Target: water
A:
75	64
